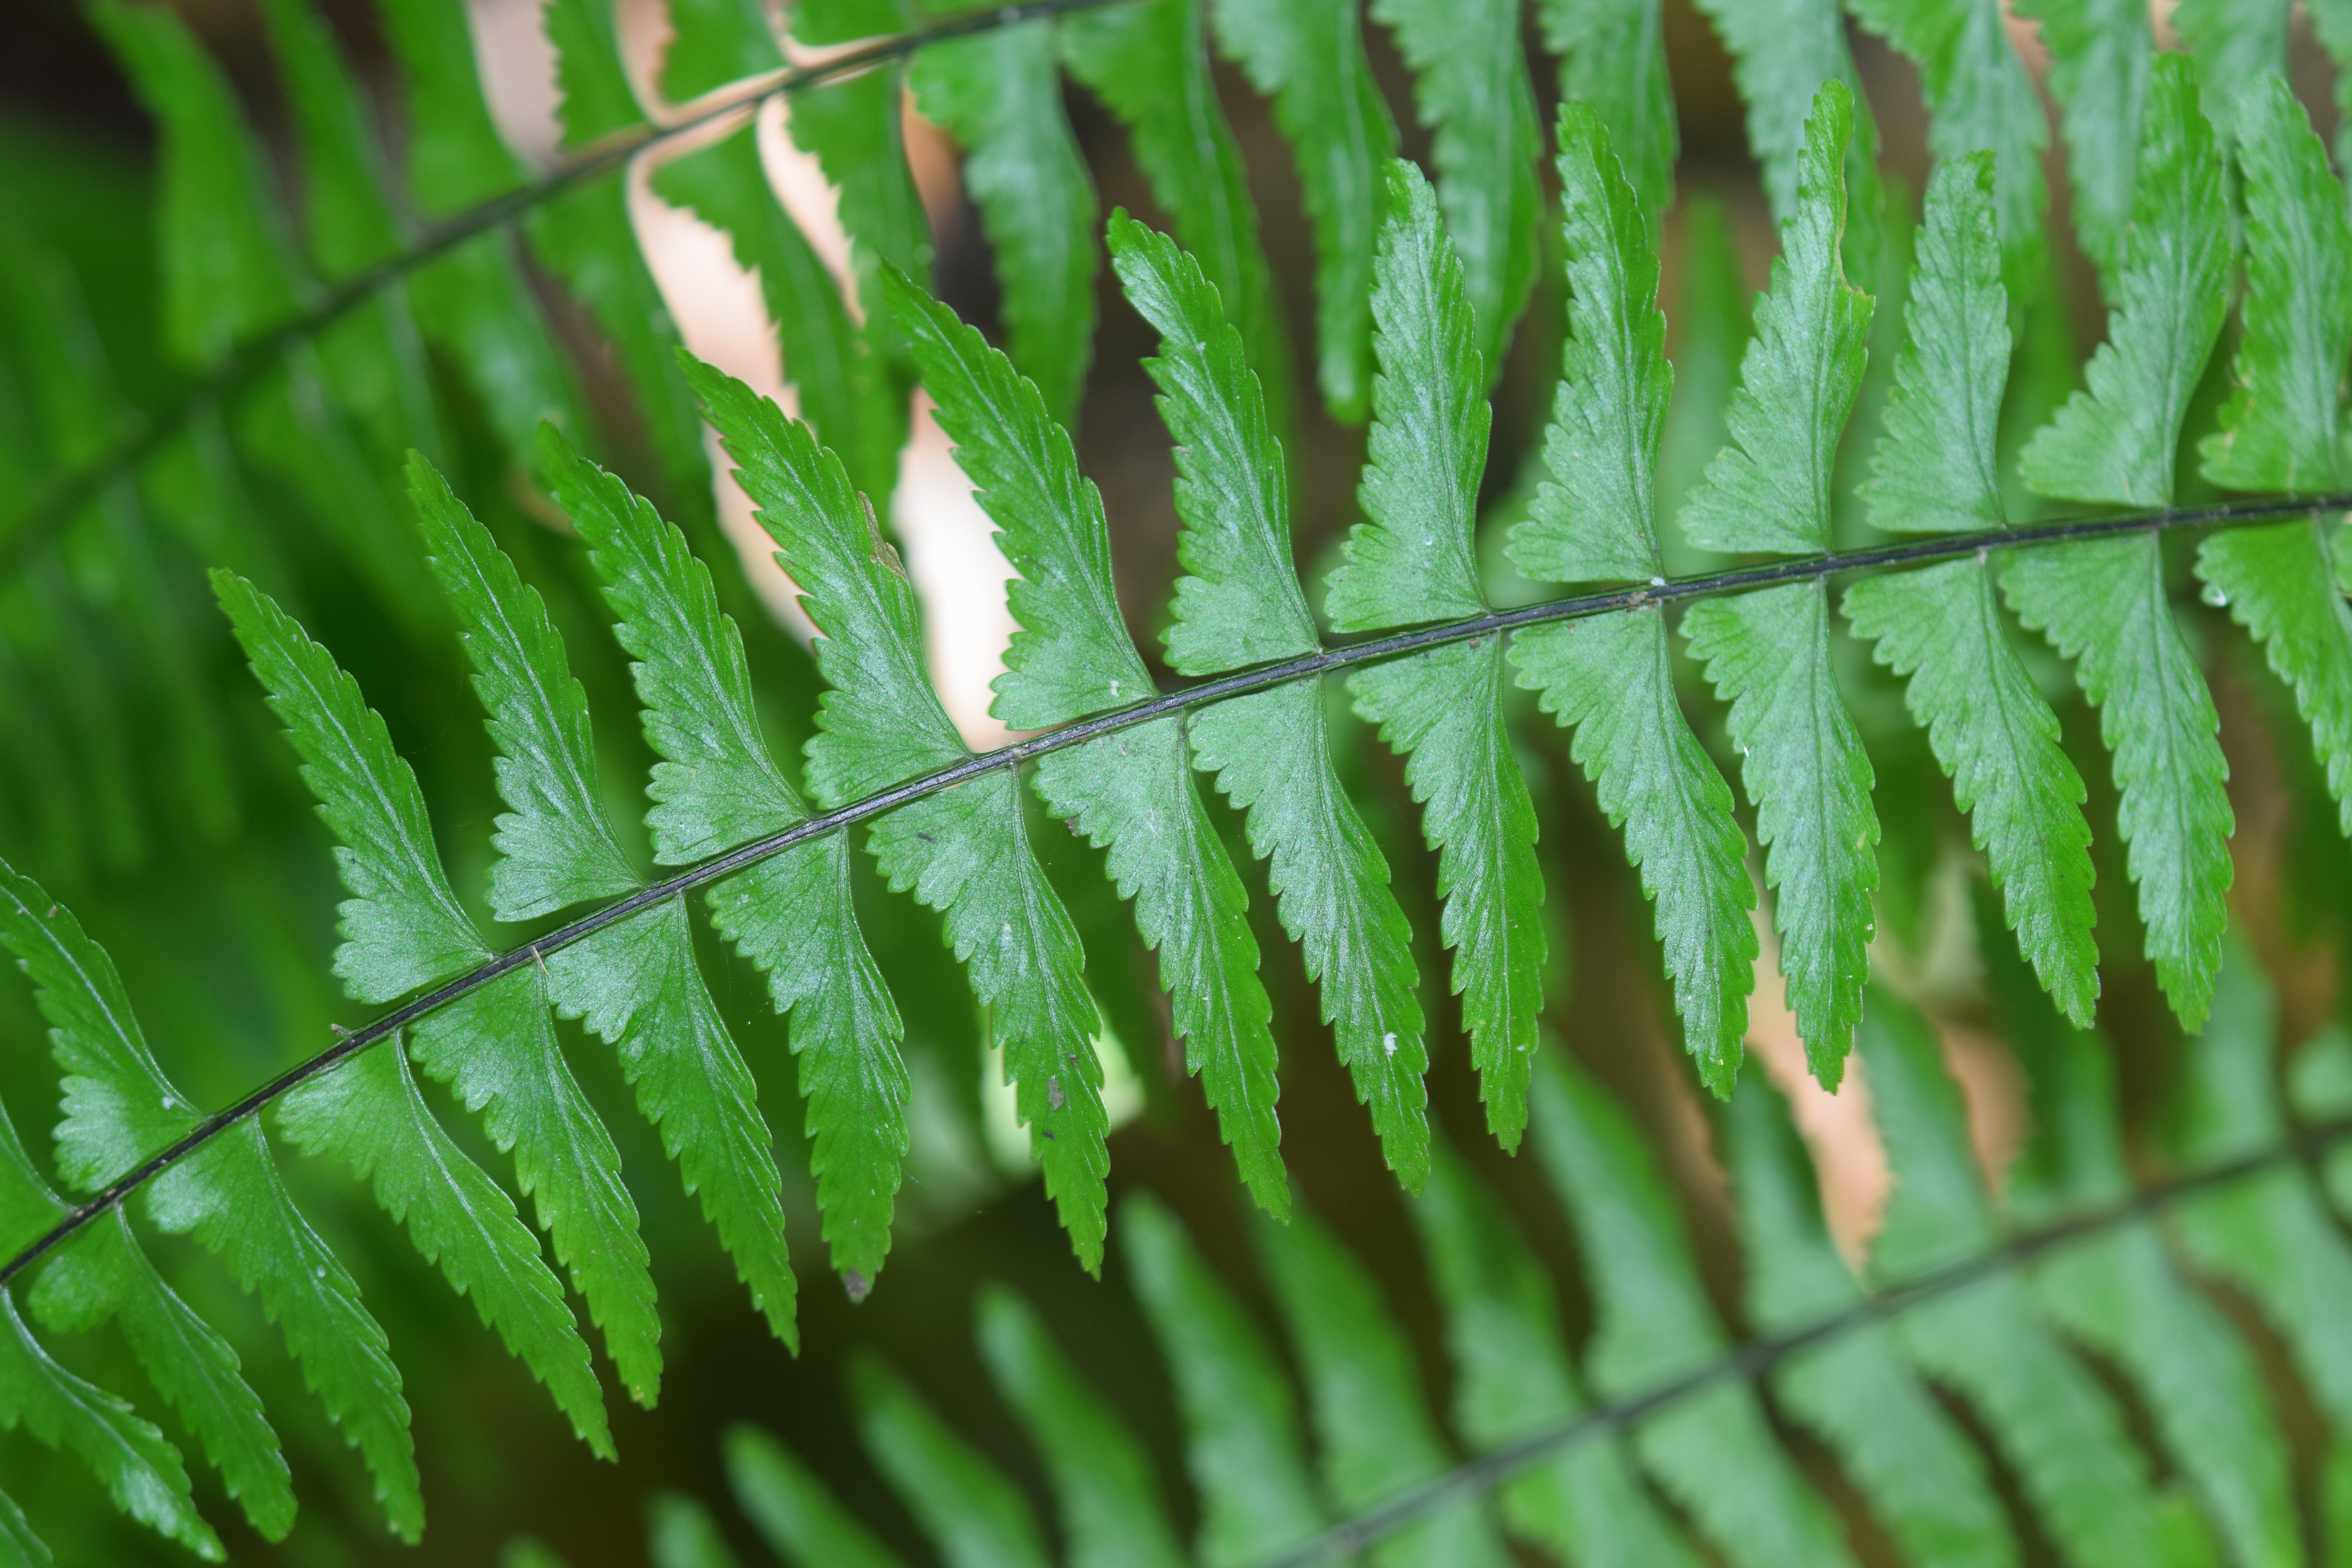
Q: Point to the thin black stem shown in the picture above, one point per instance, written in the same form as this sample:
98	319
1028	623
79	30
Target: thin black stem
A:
1753	1358
146	434
1809	569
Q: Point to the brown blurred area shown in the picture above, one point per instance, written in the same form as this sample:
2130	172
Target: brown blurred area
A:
496	1459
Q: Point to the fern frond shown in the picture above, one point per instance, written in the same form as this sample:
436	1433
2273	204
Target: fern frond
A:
1614	60
1767	653
1308	57
1239	602
715	788
1376	1437
972	1514
1979	99
798	1518
1475	95
1132	793
1609	677
1148	65
965	852
1111	1511
1939	628
2280	430
2102	55
1925	1480
1242	1445
401	930
1713	1451
228	1194
999	95
1504	1333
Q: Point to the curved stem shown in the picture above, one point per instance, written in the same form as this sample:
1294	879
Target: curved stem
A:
1576	606
1753	1358
65	499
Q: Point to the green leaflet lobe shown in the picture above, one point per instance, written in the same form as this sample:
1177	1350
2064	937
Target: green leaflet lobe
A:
1110	1509
2102	53
555	846
402	927
1935	470
974	1516
1308	57
1614	64
1442	711
1413	560
1767	654
1995	736
1132	793
1609	678
1472	89
1594	518
497	1048
1770	489
1071	654
999	94
1242	1445
792	1510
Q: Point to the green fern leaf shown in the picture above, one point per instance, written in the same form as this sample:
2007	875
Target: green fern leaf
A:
587	238
680	1533
474	302
1148	65
1471	88
1514	1379
350	223
1783	52
1376	1436
2235	45
1594	520
1934	469
2102	54
714	788
1242	1445
229	1193
2060	1431
1132	791
1770	489
2269	1235
1767	653
999	95
964	852
2279	430
402	929
1614	60
1414	560
1924	1479
1979	99
1714	1452
555	848
226	272
16	1538
1238	603
1110	1509
2104	602
1308	57
974	1516
1609	676
104	1274
369	1115
139	1469
1995	737
791	1509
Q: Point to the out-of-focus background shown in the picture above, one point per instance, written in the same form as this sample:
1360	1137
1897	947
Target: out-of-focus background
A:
497	1458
